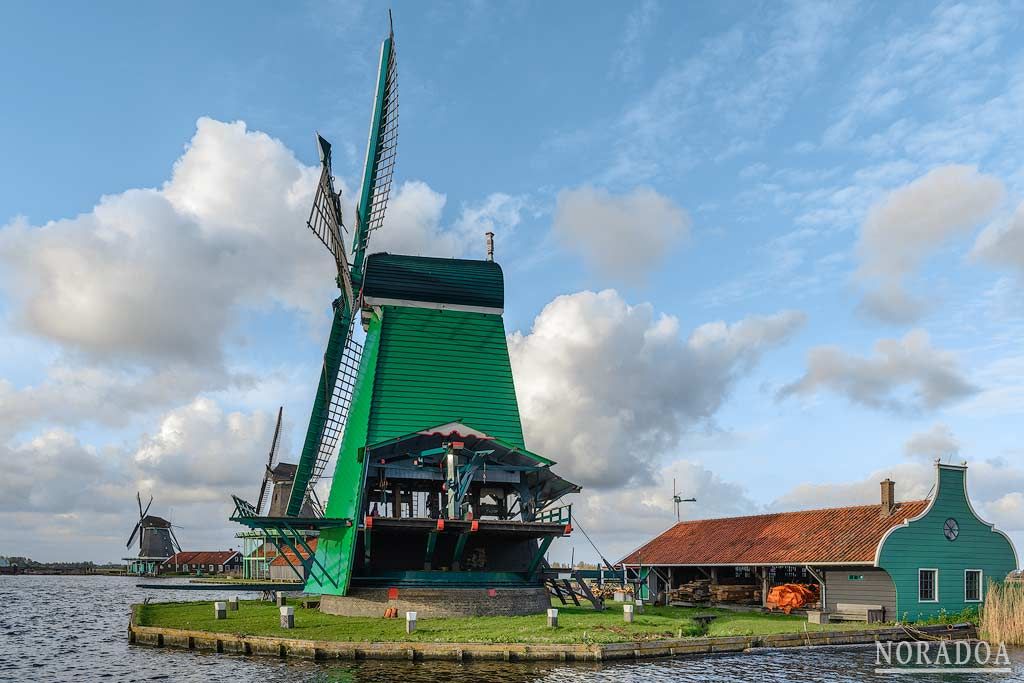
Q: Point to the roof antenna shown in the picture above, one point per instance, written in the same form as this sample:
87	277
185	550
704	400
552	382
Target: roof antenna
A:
490	245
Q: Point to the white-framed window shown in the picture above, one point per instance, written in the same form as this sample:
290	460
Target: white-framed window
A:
927	585
973	585
211	567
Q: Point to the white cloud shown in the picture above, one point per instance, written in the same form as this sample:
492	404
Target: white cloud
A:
1007	512
937	442
414	223
906	375
622	236
608	389
61	499
1002	242
909	224
158	275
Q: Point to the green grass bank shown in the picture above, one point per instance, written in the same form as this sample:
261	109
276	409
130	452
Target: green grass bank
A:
577	625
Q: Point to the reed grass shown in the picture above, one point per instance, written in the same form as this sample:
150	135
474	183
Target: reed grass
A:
1002	619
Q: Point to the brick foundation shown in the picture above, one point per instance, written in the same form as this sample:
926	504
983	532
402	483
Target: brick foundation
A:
439	602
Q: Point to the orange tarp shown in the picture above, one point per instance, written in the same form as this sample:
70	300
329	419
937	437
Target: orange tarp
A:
791	596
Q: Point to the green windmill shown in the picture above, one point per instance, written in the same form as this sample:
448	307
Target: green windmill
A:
433	486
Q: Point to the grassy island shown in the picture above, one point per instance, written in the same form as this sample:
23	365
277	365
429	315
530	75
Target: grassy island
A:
577	625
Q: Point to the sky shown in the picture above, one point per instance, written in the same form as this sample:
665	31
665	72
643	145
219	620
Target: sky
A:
771	252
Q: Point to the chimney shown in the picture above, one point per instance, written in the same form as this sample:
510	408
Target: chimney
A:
490	245
888	498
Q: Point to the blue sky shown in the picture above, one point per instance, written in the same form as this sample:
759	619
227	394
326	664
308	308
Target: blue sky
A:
803	220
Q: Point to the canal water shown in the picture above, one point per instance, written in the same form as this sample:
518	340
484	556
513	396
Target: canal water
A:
74	628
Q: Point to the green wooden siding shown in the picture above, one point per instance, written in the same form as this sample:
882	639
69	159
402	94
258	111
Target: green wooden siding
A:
922	545
336	545
437	366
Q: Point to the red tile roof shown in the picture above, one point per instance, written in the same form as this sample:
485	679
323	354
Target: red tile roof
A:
829	536
202	557
280	560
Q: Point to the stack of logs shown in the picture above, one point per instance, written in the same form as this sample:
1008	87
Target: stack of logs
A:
702	590
608	590
749	595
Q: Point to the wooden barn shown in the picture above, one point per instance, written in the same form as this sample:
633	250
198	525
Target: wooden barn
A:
894	561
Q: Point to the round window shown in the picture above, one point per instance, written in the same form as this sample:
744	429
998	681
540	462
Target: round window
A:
951	529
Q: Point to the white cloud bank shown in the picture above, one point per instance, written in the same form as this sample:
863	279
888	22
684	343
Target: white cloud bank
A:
621	236
909	224
906	375
607	389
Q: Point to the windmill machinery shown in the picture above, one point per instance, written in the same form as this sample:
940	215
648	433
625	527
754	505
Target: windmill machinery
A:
341	358
156	537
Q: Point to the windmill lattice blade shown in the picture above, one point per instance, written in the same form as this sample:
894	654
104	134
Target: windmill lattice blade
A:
147	507
177	546
277	438
134	531
325	220
337	409
138	499
263	492
386	149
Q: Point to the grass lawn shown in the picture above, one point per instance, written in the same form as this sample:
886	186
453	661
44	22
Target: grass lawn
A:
576	624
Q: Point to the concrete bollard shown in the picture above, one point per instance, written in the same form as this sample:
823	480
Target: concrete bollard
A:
638	606
619	596
553	618
287	617
233	604
410	622
627	613
279	599
220	610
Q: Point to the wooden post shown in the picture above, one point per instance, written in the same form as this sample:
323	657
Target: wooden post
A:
220	610
396	501
233	604
552	618
279	599
764	586
410	622
287	617
627	613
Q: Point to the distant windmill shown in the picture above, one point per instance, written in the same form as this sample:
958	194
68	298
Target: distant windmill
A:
156	538
677	499
278	478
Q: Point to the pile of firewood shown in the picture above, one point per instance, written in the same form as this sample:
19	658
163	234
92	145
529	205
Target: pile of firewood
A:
608	590
736	593
695	591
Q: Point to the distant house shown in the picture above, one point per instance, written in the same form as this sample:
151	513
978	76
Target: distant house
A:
913	559
289	567
204	562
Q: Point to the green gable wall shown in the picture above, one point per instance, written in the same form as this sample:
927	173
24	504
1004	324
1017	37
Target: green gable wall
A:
439	366
922	545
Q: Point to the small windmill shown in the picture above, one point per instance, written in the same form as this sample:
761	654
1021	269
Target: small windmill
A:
677	499
156	537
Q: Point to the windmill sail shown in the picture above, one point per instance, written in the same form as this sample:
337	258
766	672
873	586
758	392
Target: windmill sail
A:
381	150
270	459
325	219
342	357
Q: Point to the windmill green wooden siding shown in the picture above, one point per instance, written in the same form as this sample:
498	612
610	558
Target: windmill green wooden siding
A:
438	366
921	544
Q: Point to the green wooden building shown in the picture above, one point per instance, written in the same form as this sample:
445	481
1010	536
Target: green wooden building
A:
891	561
942	559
